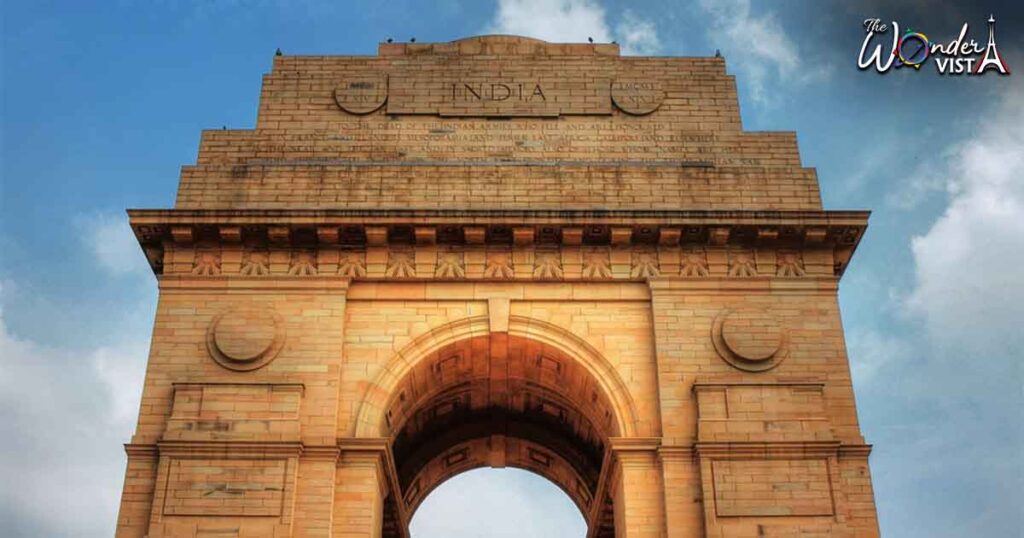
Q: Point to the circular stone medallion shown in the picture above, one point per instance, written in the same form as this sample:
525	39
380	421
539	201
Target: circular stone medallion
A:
637	97
751	340
245	339
362	94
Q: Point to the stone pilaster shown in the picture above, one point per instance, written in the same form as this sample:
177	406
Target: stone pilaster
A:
639	489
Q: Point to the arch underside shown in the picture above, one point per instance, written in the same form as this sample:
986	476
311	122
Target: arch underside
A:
500	400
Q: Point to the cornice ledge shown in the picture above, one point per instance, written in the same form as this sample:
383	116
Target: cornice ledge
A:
330	216
141	450
674	286
839	231
321	452
711	383
364	444
284	386
857	451
621	445
677	452
767	450
231	449
236	283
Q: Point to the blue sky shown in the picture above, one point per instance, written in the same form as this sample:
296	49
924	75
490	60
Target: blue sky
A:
103	103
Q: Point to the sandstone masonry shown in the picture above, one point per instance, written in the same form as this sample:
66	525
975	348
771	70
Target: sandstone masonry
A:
497	252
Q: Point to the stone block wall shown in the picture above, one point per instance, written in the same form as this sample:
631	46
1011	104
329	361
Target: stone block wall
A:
505	252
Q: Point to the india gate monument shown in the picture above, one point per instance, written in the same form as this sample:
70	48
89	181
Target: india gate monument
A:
497	252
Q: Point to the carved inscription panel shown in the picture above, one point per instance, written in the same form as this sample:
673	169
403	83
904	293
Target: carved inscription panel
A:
637	96
470	88
468	94
362	94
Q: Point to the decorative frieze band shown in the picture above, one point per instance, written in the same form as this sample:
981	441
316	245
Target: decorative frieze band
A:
496	262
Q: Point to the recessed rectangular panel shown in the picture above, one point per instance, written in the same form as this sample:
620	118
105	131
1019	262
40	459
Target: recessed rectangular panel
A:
539	457
777	487
234	411
781	402
225	487
456	457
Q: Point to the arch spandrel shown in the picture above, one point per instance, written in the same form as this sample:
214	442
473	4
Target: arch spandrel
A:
378	392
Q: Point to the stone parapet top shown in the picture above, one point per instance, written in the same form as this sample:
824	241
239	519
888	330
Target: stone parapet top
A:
498	43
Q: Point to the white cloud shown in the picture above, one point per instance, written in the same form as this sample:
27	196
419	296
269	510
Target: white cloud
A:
573	21
499	503
64	414
947	380
925	180
637	36
558	20
121	369
872	352
968	265
765	50
110	239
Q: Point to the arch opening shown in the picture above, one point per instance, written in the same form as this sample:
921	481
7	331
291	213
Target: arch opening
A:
502	400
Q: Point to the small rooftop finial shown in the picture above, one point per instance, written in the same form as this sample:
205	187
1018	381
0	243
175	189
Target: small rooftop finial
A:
278	52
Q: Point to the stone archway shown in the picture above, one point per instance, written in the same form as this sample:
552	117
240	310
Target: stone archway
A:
383	198
533	397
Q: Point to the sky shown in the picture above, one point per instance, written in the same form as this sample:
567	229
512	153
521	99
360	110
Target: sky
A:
103	102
